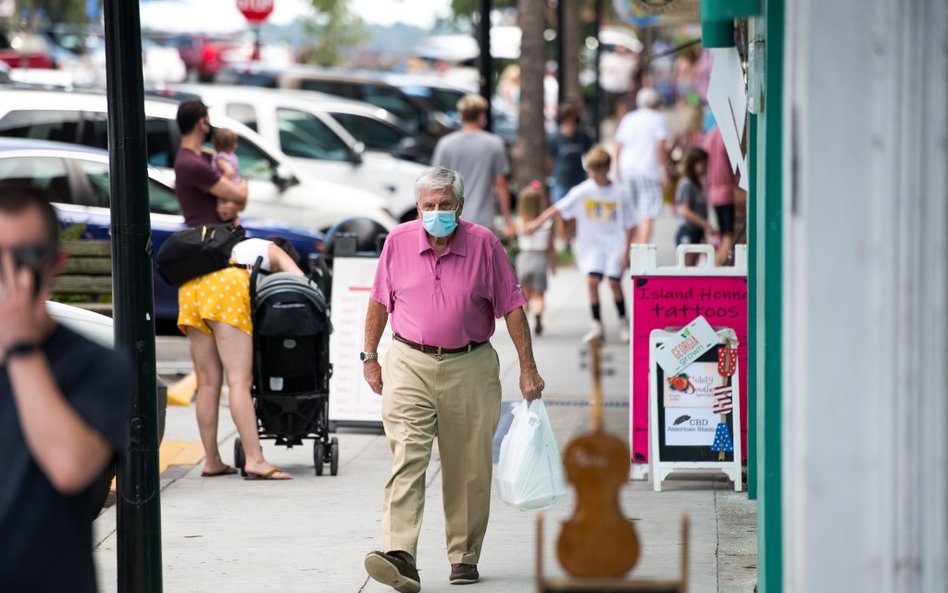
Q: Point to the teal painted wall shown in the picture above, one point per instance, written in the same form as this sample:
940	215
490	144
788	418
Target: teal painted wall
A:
768	302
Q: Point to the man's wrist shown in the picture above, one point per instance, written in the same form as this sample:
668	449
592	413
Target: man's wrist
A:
365	356
21	348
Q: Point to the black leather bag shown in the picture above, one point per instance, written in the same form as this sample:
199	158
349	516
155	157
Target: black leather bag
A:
190	253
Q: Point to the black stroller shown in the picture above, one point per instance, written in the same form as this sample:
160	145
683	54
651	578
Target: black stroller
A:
291	367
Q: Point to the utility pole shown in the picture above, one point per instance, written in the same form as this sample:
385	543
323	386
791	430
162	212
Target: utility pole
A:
487	61
138	510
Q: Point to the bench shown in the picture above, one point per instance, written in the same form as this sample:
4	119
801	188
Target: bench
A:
87	280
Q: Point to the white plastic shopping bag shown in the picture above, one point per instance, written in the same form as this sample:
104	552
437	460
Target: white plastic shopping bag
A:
529	472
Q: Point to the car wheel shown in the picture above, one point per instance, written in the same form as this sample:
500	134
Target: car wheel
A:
368	236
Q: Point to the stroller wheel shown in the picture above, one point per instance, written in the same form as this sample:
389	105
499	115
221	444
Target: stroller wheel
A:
239	459
333	456
319	456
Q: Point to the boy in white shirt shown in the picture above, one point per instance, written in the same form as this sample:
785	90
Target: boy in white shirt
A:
605	224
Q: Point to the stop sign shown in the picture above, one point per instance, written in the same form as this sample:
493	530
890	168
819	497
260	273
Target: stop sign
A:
255	11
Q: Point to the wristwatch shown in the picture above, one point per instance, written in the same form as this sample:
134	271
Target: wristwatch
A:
367	356
22	348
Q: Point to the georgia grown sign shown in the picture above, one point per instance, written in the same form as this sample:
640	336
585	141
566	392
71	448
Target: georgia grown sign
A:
687	346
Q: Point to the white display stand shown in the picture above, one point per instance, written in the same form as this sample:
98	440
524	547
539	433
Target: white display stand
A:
660	468
350	399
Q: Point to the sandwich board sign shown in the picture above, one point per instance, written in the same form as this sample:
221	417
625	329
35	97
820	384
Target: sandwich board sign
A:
669	298
351	401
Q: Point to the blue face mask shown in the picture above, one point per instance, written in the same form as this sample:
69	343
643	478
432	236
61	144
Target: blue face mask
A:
440	223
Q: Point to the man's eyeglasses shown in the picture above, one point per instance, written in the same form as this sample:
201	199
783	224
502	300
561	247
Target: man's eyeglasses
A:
32	256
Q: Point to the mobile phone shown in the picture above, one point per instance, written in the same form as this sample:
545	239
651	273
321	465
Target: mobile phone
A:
34	258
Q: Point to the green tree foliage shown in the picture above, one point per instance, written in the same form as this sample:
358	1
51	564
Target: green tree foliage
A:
466	8
53	11
333	30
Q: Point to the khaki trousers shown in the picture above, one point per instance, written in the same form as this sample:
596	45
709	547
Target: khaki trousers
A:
457	400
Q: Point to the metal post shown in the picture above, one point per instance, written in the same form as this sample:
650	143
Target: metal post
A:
137	501
256	43
487	60
597	101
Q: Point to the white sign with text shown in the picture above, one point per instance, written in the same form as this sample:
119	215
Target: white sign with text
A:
686	346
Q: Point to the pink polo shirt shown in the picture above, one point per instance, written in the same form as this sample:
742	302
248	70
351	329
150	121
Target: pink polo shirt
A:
449	299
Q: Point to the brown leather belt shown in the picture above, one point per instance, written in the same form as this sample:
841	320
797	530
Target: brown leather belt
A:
438	350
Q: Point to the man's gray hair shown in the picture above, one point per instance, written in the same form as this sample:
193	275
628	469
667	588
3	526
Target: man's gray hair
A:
647	97
440	179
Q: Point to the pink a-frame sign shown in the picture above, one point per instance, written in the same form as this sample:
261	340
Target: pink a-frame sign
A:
663	302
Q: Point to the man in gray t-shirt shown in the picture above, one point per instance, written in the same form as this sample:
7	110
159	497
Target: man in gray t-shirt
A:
481	159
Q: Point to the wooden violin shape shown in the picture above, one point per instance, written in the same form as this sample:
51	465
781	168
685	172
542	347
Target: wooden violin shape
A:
597	541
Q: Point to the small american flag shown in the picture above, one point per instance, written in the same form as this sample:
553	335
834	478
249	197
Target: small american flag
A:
722	400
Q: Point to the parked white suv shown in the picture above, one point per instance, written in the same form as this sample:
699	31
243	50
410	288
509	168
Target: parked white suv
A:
295	122
278	189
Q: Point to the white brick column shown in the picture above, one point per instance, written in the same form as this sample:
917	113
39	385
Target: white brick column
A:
865	374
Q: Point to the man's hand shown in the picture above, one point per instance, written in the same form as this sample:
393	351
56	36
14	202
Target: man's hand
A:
510	229
372	371
624	261
531	384
22	308
227	210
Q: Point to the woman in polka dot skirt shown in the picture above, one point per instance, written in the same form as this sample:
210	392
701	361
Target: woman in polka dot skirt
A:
214	313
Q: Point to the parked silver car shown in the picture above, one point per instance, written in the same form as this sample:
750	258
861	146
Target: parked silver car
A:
279	189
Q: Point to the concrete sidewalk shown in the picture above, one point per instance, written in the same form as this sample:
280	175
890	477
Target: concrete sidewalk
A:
311	534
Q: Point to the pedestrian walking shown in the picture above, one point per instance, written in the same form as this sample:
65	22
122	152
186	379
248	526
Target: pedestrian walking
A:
536	255
443	281
692	203
64	407
481	159
722	186
604	227
642	160
214	309
566	149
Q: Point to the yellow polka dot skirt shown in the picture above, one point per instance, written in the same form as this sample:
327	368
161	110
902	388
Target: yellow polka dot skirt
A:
219	296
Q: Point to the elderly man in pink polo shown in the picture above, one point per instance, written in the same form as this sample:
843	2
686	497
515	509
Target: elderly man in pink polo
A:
443	281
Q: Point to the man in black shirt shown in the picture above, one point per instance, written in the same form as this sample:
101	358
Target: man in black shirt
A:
64	404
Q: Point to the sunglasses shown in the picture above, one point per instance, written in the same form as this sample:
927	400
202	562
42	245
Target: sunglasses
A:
32	256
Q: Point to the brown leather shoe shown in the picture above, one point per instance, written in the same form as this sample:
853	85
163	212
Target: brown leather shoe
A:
464	574
395	569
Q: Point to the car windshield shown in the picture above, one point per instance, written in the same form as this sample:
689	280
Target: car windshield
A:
305	135
160	197
46	173
253	162
373	133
